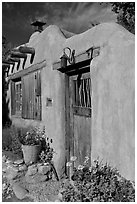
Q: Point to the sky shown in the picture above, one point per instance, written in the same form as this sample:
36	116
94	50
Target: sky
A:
75	17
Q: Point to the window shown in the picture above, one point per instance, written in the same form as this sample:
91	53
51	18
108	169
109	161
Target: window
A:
16	97
82	94
26	95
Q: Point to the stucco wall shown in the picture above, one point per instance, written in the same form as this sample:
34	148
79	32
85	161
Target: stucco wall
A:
48	47
112	74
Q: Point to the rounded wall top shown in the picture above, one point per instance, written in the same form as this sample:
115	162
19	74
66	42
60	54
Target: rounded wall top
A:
34	36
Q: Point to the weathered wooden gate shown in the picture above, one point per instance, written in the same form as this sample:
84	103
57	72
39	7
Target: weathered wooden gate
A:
80	116
78	104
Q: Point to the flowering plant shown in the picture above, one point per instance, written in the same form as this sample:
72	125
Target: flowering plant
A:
97	183
34	136
47	152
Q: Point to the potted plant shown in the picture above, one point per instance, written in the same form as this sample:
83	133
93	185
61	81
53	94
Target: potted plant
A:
31	145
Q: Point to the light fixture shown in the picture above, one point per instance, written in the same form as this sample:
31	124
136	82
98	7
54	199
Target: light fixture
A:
64	58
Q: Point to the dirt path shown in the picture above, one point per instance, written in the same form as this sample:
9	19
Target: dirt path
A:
40	191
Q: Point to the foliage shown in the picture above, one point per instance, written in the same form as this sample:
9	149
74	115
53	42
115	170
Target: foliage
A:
98	183
11	137
126	14
47	152
6	139
34	136
7	191
6	47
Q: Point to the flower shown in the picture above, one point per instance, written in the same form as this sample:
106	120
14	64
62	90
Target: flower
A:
34	136
86	158
73	158
68	164
80	167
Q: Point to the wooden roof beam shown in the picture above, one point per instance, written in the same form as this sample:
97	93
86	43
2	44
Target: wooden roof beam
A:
17	54
28	50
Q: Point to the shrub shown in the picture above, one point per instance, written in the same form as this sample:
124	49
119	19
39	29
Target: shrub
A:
6	139
98	183
12	137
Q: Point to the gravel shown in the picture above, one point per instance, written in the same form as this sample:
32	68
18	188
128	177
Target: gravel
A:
46	191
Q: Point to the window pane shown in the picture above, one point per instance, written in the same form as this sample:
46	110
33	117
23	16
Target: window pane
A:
31	96
82	96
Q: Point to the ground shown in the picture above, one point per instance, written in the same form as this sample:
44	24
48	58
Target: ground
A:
43	191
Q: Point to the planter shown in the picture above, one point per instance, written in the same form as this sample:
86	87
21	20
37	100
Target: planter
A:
31	153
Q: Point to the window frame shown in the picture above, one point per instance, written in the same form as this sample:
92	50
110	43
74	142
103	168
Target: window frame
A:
34	92
18	98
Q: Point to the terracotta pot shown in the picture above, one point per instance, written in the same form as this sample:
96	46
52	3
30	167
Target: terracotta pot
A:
31	153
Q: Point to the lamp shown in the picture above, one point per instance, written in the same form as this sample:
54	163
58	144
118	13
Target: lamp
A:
64	58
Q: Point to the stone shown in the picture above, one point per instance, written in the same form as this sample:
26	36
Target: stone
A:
39	164
60	196
32	170
19	191
54	177
32	166
12	168
50	173
4	167
9	162
15	165
4	158
23	167
11	175
11	172
46	164
3	174
19	161
36	178
44	169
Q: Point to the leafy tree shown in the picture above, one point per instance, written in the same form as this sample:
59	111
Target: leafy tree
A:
126	14
6	47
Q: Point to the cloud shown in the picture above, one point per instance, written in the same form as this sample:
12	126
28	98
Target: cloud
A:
75	17
78	16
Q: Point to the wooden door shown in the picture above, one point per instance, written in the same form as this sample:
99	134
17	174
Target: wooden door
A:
80	116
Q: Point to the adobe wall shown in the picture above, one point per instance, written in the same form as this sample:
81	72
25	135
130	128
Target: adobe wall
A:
113	82
48	47
113	87
112	75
